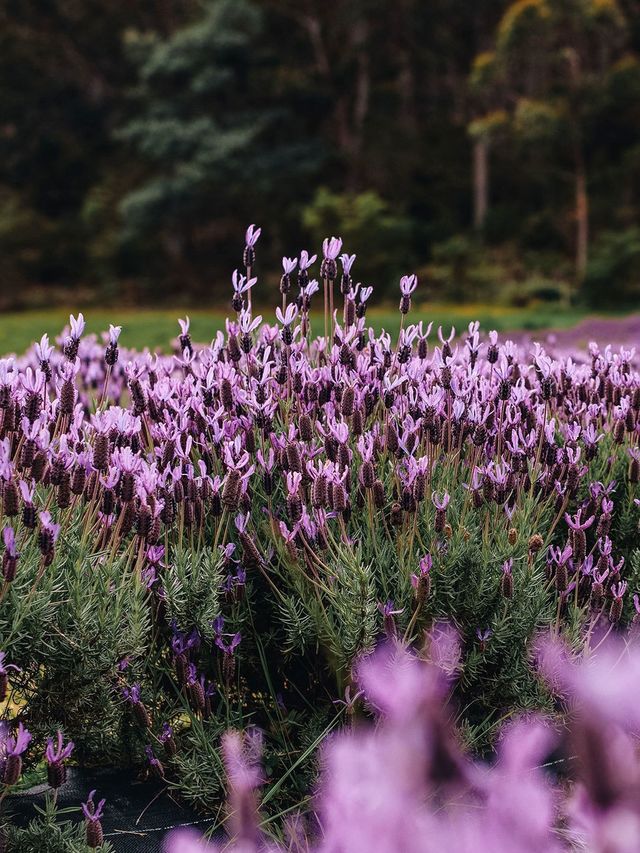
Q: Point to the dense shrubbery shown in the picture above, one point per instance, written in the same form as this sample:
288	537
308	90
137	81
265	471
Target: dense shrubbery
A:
214	539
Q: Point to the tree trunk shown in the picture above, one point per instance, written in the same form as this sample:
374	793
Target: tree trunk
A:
582	218
480	181
360	32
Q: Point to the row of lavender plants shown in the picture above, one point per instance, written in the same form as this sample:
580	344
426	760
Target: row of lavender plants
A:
213	539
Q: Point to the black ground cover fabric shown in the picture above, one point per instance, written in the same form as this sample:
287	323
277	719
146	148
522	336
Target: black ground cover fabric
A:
138	815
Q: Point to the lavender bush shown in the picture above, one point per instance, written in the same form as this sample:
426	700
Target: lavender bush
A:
215	538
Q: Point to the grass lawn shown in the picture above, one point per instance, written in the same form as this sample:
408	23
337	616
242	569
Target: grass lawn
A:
156	328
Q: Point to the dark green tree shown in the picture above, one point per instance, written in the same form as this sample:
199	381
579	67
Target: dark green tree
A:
210	136
551	62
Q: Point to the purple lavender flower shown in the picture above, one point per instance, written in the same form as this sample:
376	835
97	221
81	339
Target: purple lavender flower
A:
483	635
408	284
14	748
166	734
288	265
350	699
132	696
287	317
43	350
441	504
154	763
243	776
11	554
422	581
331	248
388	611
93	815
506	581
230	647
55	756
307	260
252	235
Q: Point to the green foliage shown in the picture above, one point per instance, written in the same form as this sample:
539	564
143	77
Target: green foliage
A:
195	123
73	624
553	69
614	269
192	590
523	20
380	237
489	125
198	764
47	833
537	121
537	289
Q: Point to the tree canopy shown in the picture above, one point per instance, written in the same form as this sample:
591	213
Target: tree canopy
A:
491	147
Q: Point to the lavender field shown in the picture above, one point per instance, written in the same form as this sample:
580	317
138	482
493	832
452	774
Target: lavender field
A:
335	589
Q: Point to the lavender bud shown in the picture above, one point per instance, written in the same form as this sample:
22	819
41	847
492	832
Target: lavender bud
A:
141	714
12	770
615	611
94	834
11	499
67	397
379	499
231	489
396	515
101	452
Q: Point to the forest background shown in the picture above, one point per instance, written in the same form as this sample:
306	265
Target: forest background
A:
491	147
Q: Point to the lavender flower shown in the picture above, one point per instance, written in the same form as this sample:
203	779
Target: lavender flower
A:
483	635
92	817
14	748
252	235
10	556
72	342
422	581
55	756
331	248
408	284
132	696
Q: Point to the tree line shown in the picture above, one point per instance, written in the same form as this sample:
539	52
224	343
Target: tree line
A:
492	147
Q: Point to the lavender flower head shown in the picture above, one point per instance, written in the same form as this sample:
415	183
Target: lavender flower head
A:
331	247
92	812
9	539
57	752
43	349
421	582
55	756
77	326
4	667
252	235
93	815
17	745
408	284
307	260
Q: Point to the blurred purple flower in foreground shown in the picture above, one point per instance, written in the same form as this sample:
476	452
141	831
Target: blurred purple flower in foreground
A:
406	785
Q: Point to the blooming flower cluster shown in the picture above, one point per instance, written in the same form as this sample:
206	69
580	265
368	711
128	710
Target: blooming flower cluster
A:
253	515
